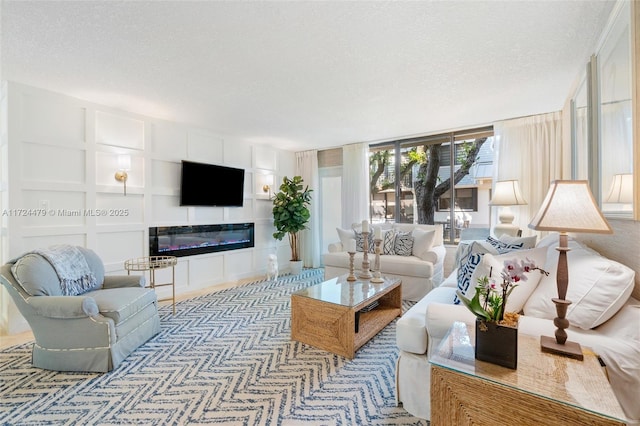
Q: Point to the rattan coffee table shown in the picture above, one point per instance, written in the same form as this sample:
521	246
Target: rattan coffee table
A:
340	316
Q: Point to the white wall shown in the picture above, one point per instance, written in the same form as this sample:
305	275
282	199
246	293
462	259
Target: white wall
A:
60	153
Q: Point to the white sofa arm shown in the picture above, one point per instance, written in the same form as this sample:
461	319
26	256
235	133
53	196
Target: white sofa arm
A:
335	247
440	318
411	331
435	255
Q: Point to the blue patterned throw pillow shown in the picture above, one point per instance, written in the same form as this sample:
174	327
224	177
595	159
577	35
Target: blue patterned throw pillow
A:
466	287
389	242
403	245
360	242
502	247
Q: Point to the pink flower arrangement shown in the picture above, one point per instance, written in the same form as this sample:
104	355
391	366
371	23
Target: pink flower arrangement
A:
490	300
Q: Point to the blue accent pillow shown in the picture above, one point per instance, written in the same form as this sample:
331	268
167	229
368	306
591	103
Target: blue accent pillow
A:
465	285
502	247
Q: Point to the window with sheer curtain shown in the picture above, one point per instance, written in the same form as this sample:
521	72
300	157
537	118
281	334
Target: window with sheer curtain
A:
310	250
529	149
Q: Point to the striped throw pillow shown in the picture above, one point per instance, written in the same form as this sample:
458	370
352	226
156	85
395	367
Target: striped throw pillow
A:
403	245
389	242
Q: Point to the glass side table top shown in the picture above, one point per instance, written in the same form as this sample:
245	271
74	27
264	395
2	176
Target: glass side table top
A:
150	262
581	384
339	291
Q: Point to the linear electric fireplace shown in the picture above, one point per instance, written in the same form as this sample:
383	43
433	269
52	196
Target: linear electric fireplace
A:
199	239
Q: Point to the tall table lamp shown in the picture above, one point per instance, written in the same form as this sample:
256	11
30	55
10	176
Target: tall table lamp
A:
506	193
569	206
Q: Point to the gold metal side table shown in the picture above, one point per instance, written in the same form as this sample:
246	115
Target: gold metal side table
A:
151	264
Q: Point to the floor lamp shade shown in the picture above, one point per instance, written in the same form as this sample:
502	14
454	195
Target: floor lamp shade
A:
506	193
569	206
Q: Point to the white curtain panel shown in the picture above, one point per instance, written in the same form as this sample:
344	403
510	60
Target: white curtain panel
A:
307	167
582	135
528	149
355	184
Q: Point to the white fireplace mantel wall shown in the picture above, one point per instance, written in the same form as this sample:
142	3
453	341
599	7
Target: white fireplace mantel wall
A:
58	159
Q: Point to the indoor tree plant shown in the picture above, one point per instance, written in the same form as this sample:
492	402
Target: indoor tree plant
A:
291	214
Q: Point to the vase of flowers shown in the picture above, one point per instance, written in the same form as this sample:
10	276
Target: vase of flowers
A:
496	329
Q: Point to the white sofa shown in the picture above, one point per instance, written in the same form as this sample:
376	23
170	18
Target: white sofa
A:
603	317
420	270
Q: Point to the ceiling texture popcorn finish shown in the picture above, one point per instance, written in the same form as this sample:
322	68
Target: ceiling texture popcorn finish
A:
303	75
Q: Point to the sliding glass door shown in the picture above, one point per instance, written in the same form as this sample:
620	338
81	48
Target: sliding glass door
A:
441	179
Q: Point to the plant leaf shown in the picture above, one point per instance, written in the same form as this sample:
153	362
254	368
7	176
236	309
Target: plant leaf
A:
474	305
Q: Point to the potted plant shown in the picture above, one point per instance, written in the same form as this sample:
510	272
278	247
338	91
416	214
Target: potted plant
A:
291	214
497	330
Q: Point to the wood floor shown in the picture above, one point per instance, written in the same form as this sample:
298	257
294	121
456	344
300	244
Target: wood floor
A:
27	336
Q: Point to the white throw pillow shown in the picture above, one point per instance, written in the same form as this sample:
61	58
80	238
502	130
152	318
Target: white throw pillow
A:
598	288
493	264
552	239
345	235
527	242
422	242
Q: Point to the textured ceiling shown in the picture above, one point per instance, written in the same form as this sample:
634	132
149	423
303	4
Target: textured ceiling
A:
304	75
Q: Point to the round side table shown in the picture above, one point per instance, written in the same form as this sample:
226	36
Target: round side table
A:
151	264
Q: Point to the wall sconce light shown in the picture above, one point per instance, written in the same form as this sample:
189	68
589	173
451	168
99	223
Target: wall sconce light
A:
267	190
124	165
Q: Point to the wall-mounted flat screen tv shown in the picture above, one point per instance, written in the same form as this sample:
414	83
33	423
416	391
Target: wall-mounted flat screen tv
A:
204	184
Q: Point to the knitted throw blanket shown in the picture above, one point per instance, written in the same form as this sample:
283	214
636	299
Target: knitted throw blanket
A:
72	268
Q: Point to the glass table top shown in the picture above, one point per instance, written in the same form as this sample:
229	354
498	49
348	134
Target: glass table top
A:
339	291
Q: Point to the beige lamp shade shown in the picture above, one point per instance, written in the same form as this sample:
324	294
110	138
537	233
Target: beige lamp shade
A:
507	193
569	206
621	189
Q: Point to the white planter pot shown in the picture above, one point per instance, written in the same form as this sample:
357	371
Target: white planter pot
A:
295	266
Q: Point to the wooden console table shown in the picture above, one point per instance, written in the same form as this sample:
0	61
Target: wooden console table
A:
151	264
545	389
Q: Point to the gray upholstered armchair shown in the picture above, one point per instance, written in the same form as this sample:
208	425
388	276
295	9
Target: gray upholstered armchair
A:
81	319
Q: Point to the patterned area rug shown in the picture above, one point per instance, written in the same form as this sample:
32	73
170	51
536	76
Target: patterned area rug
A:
224	358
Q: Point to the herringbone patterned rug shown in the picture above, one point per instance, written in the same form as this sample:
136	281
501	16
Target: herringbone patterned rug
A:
224	358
